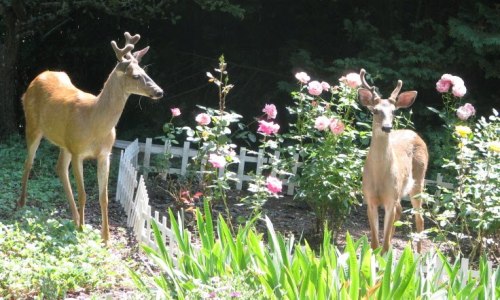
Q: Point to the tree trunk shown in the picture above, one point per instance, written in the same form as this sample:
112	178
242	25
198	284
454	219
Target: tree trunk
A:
9	53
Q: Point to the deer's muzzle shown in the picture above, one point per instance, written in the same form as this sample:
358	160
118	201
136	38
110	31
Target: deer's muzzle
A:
386	128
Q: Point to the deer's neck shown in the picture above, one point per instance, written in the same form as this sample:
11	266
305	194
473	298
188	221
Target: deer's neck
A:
381	151
110	103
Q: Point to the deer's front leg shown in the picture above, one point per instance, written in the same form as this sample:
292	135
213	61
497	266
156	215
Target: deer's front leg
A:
102	178
77	164
372	211
390	215
62	171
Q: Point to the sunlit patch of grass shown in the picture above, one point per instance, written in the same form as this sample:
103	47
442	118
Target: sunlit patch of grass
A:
46	256
42	255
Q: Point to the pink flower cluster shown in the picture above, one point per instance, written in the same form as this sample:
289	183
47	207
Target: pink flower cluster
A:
268	128
315	87
175	112
203	119
270	111
456	84
303	77
465	111
217	161
352	80
273	185
336	126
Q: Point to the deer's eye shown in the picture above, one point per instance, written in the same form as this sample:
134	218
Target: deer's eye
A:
376	111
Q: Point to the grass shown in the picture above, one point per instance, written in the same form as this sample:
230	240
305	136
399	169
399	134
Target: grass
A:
42	255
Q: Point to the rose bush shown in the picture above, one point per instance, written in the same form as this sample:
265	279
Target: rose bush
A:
329	134
468	217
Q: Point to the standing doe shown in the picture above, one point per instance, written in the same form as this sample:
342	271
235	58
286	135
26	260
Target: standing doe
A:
83	125
395	165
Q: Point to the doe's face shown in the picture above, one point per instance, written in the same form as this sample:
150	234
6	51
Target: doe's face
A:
383	114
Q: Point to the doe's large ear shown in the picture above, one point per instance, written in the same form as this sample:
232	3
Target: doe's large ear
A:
139	54
365	97
406	99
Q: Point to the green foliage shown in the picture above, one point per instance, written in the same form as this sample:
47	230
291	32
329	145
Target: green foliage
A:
45	256
282	269
468	217
42	255
475	32
43	186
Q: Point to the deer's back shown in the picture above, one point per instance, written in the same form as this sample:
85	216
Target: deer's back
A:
54	106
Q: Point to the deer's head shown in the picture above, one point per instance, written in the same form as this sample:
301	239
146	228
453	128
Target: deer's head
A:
383	109
134	78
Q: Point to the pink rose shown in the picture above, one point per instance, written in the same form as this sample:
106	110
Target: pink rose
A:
303	77
325	85
203	119
459	90
314	88
270	110
175	112
447	77
268	128
456	84
273	184
321	123
465	111
455	80
336	126
217	161
443	86
353	80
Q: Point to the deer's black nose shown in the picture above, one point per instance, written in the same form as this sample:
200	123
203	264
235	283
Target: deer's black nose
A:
386	128
158	94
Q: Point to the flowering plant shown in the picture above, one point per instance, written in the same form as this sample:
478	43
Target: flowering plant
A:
327	134
468	217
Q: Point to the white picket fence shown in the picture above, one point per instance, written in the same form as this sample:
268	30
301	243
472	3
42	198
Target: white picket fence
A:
132	194
249	161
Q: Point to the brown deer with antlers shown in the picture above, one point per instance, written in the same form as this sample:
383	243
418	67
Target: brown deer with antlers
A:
83	125
395	165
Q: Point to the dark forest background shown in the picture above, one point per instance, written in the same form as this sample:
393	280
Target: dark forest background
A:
265	42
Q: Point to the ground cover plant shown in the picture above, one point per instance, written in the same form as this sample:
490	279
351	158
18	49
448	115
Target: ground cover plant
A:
245	265
42	255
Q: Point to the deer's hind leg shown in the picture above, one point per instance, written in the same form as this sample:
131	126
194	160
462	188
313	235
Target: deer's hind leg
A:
419	168
33	138
417	211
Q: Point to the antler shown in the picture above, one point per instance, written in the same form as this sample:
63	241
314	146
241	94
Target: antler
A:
395	93
130	41
365	84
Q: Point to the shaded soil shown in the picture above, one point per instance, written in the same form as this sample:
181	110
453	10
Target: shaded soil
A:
288	216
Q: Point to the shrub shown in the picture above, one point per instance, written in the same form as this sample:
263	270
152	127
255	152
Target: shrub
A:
328	133
468	217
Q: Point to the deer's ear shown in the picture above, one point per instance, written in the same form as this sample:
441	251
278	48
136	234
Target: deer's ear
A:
139	54
406	99
365	97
